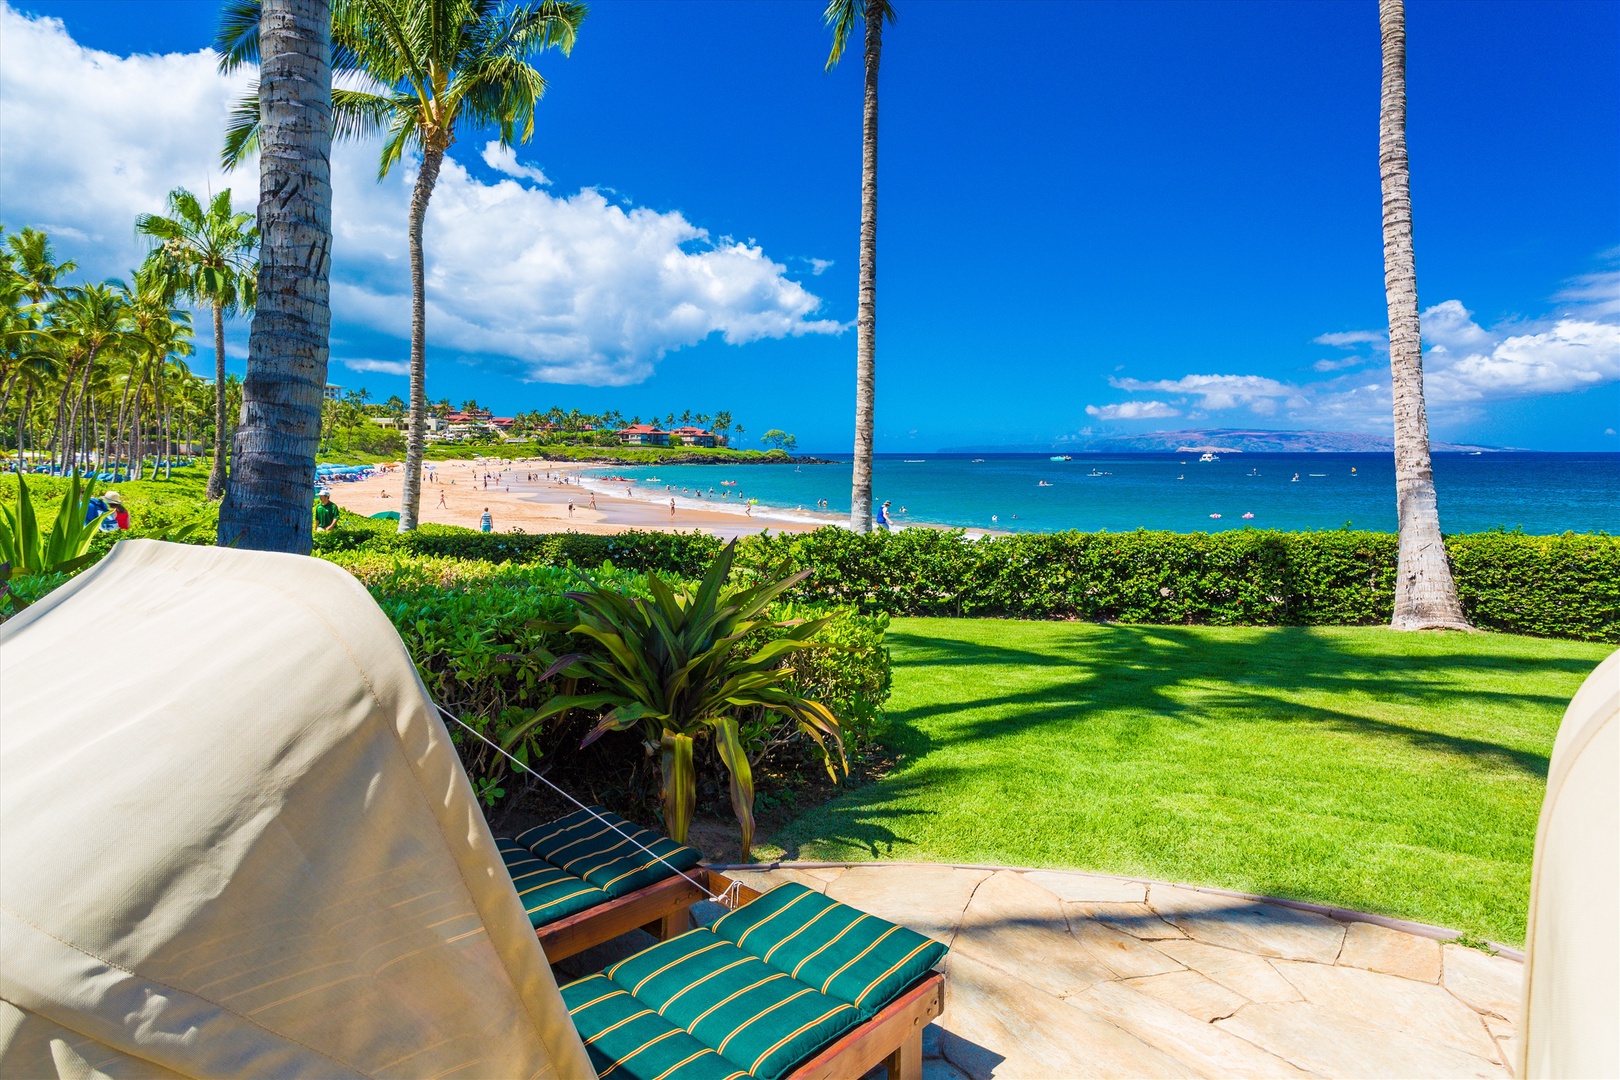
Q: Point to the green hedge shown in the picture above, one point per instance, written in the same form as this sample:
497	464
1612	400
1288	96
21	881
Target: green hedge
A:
1548	586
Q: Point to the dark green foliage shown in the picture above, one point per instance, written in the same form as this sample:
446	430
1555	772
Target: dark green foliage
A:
1549	586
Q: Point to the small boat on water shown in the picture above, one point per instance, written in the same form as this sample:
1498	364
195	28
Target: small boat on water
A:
728	483
1098	472
978	461
1209	457
1248	515
915	460
1044	483
1061	457
652	480
1214	515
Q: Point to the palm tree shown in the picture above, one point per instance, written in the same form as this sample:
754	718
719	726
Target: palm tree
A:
208	254
1425	594
267	506
159	331
35	262
433	64
842	15
91	321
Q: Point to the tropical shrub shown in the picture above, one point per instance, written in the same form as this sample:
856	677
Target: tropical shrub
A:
472	627
683	663
27	550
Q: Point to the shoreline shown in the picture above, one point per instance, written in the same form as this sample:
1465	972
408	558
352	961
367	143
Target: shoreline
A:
454	493
457	493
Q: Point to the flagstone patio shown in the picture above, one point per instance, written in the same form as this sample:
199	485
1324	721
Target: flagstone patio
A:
1055	974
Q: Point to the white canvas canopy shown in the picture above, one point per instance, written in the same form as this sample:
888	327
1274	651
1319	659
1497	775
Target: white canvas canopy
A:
1571	1016
235	840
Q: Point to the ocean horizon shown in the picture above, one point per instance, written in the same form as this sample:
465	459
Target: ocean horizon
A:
1536	492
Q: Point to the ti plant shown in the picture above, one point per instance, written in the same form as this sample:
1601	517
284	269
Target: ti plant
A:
25	549
675	667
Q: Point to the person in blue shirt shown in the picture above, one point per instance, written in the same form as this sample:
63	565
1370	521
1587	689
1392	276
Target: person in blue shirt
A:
883	517
486	523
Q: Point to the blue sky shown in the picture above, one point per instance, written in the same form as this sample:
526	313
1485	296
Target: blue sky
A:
1093	217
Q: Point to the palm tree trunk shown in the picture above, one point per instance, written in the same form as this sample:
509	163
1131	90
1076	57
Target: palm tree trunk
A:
216	475
1425	594
410	498
268	502
860	506
22	422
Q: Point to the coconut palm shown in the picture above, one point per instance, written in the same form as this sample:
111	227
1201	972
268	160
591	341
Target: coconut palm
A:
267	506
208	254
1425	593
431	66
91	322
843	16
158	332
34	261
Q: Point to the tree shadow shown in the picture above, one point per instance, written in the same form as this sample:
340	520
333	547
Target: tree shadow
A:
1151	670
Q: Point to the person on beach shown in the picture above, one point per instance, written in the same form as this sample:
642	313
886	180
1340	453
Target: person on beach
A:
593	500
442	504
570	507
883	517
486	523
672	508
326	512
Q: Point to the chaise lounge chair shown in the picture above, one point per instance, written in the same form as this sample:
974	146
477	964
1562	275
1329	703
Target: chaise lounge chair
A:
790	984
583	883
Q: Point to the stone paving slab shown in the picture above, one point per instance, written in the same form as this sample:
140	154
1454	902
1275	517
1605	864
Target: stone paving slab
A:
1053	974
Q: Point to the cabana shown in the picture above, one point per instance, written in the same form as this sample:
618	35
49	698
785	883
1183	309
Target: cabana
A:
247	847
1571	1014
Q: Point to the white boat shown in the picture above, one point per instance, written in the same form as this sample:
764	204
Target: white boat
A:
1209	457
1061	457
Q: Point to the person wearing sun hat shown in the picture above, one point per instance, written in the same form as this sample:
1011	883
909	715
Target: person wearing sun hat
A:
117	515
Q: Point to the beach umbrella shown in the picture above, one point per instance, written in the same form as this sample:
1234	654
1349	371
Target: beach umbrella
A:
254	852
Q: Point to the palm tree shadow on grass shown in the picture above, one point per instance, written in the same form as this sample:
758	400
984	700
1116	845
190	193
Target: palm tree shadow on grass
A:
1153	669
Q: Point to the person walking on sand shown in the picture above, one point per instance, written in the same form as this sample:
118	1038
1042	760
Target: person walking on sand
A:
442	504
593	500
672	508
570	507
883	517
486	523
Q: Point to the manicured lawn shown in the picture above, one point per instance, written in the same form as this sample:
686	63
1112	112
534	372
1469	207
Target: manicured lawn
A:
1395	773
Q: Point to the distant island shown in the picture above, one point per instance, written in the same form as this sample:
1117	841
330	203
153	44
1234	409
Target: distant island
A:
1223	441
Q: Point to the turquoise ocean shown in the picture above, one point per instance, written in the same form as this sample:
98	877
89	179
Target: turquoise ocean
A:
1534	492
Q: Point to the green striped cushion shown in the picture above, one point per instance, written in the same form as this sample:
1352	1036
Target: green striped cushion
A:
548	894
841	952
627	1039
753	1014
587	847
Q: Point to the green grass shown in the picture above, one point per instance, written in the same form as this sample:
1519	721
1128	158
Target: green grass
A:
1385	772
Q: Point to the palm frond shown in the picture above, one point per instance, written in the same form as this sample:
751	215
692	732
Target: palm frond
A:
237	39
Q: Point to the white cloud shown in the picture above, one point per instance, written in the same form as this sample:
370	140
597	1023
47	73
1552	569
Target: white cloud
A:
1465	365
503	159
88	140
1217	391
1132	410
553	288
819	266
1341	365
1349	339
386	367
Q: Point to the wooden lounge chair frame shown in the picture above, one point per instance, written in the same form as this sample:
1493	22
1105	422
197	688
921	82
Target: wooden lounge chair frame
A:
892	1038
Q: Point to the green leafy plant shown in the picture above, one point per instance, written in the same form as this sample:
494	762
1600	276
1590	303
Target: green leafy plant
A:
26	549
674	665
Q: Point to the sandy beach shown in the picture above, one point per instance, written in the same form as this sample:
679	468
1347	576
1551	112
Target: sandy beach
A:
533	496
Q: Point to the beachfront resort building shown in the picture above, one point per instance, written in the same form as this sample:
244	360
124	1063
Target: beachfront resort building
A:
643	435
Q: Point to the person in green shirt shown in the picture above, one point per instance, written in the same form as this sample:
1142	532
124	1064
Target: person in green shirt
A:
326	512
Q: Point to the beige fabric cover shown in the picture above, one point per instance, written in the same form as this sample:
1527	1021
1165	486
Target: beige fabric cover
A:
1571	1024
235	840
